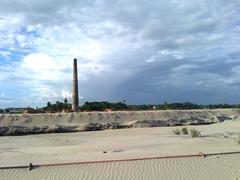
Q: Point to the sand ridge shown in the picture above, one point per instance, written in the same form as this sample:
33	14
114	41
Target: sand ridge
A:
90	121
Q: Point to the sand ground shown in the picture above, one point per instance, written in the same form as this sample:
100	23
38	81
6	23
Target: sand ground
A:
121	144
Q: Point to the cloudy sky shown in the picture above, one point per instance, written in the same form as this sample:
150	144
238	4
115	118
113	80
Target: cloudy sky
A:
140	51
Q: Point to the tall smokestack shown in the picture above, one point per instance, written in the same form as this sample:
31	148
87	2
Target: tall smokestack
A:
75	103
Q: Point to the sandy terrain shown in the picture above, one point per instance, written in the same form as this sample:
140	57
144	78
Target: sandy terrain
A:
90	121
121	144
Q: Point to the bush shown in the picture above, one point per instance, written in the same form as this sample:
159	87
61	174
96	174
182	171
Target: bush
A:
176	131
195	133
184	131
238	141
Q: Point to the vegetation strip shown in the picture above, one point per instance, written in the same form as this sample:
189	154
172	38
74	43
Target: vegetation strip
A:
200	154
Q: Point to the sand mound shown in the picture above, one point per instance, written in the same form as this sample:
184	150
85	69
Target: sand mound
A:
92	121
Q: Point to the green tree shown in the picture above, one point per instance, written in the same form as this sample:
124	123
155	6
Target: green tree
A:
65	101
49	104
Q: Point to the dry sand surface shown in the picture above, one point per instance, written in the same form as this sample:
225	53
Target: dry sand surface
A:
14	124
121	144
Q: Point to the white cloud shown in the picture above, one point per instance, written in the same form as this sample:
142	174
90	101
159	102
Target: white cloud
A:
39	62
185	68
5	54
66	94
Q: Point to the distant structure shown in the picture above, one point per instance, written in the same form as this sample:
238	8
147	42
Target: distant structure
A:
75	101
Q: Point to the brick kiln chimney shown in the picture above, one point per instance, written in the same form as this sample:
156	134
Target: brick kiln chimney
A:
75	101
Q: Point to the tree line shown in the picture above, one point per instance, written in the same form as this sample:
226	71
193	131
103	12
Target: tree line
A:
117	106
103	105
182	106
58	106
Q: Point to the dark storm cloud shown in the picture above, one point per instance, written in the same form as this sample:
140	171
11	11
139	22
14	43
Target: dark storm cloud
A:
159	50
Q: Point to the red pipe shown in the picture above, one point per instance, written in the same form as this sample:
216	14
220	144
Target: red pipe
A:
200	154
